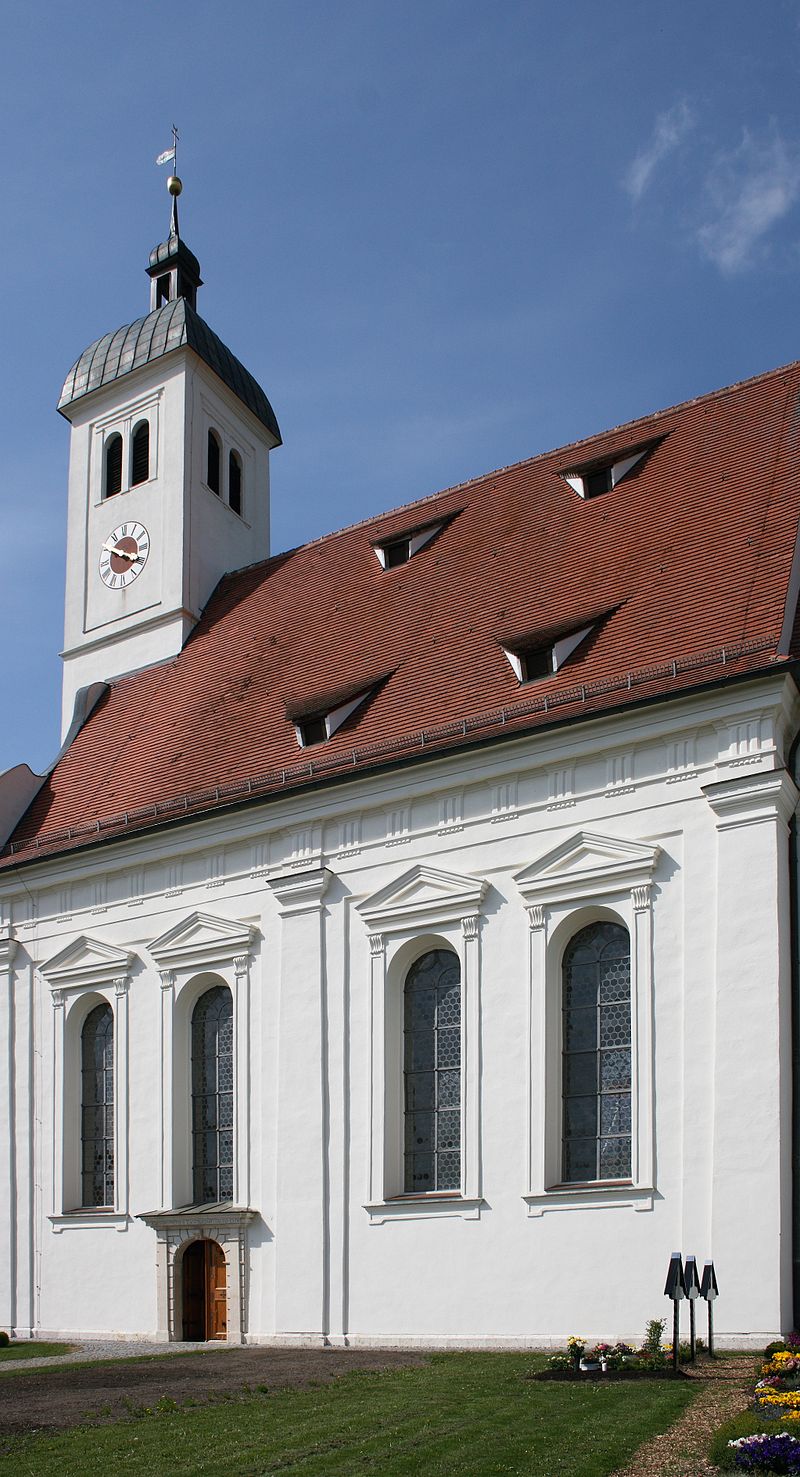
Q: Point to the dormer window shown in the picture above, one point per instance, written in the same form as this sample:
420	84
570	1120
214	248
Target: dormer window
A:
311	731
392	552
398	552
597	477
535	660
318	721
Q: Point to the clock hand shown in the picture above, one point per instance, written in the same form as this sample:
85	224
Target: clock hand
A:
122	553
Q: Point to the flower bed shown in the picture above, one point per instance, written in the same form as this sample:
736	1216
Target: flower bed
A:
615	1361
767	1437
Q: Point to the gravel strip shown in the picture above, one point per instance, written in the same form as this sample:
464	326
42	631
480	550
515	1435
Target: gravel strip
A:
89	1349
681	1451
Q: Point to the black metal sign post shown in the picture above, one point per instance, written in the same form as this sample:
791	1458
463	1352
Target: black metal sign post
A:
692	1283
675	1289
709	1291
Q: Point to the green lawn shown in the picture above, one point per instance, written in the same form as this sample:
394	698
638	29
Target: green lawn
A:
460	1413
31	1350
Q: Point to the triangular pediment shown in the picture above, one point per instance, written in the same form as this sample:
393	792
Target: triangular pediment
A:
86	961
587	862
200	939
423	893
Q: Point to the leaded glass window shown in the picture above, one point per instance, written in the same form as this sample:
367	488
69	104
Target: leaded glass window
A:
97	1107
432	1073
212	1096
597	1054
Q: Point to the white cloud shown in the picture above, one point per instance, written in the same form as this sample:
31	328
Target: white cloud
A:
670	130
747	192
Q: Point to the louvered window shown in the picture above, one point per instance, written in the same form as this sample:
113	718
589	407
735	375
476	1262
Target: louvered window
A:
235	482
113	455
140	454
97	1108
214	459
432	1073
212	1096
596	1003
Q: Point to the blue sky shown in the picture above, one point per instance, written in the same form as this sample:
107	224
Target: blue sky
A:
443	235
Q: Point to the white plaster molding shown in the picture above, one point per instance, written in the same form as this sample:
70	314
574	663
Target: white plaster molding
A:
421	899
424	1208
586	869
423	894
587	865
8	948
751	798
201	940
86	962
300	892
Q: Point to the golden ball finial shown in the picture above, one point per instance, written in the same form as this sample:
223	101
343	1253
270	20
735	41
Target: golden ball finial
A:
174	185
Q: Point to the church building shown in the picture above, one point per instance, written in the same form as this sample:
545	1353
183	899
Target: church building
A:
401	947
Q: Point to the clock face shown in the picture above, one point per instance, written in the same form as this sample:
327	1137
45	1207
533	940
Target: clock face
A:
124	555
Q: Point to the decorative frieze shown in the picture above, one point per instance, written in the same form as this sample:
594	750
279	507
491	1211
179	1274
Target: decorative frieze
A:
398	825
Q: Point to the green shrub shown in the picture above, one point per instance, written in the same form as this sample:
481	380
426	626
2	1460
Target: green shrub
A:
776	1346
4	1339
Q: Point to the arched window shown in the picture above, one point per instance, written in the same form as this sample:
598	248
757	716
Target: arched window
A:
212	1096
214	460
235	482
113	456
97	1107
596	1004
140	453
432	1073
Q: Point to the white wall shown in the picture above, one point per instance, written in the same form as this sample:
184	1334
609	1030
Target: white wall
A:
705	795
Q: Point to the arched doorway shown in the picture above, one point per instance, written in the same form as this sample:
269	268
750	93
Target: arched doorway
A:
205	1300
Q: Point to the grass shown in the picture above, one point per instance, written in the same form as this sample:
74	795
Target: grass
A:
469	1414
30	1349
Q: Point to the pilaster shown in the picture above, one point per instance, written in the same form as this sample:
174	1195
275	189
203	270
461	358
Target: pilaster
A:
302	1209
752	1044
8	1268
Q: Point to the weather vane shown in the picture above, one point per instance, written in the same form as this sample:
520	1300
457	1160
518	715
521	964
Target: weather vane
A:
174	184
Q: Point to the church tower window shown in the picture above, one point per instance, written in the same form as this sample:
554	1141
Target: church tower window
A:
214	461
432	1073
140	454
597	1054
212	1096
97	1108
113	465
235	482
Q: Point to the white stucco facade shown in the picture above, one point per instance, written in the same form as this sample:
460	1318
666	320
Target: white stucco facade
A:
311	908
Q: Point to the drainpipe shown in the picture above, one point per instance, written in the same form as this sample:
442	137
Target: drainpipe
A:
793	766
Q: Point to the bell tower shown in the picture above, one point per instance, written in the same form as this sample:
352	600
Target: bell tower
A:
168	478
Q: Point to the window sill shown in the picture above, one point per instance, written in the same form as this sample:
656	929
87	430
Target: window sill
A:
424	1207
89	1220
597	1195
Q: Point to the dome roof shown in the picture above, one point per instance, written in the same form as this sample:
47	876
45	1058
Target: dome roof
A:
174	326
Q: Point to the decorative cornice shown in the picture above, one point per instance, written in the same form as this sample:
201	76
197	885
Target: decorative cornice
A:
423	895
587	866
301	892
87	962
201	939
8	948
750	798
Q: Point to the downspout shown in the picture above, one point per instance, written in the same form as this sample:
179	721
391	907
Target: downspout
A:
793	766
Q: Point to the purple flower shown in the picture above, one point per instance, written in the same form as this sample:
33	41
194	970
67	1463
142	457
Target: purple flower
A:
765	1453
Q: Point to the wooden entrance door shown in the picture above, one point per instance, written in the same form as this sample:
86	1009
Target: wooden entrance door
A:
205	1293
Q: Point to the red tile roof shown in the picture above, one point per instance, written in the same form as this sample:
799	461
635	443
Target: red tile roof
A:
691	553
